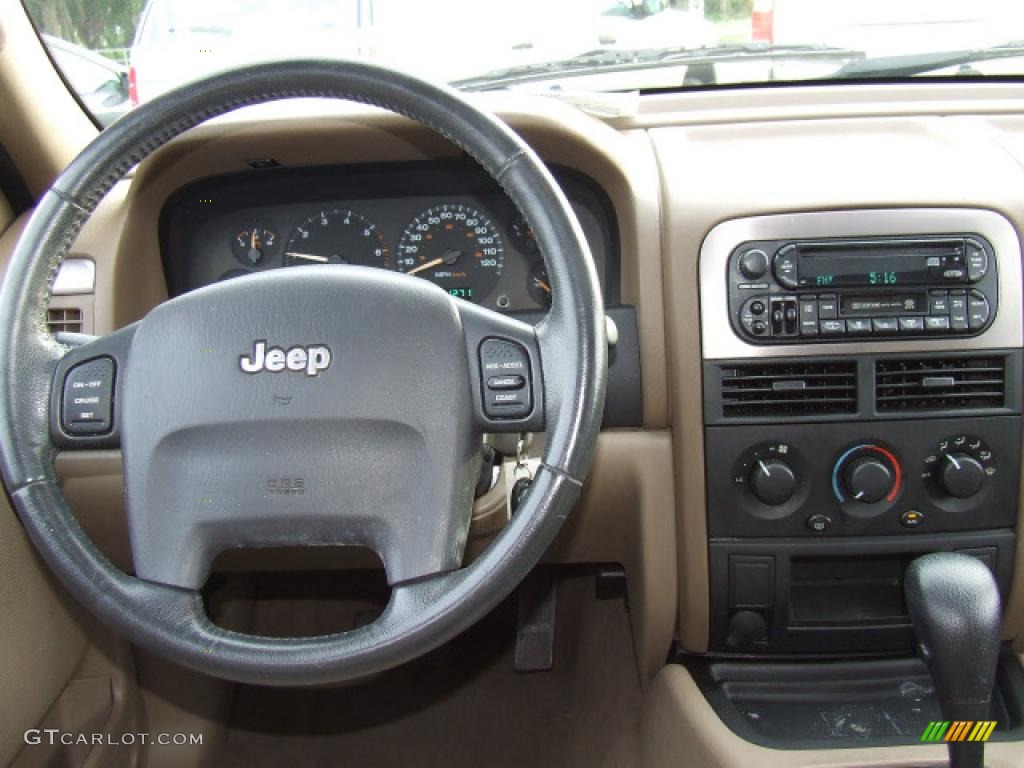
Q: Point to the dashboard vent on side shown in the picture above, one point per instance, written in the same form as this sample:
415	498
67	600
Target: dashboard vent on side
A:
64	319
789	389
939	384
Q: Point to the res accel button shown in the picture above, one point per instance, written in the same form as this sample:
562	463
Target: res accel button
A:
87	401
505	367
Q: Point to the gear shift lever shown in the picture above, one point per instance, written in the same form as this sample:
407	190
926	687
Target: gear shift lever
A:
954	607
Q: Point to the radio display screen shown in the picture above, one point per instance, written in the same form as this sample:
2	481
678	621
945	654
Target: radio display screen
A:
870	265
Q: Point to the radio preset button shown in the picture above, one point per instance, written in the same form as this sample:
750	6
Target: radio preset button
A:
858	325
885	325
832	327
938	302
977	261
977	311
828	307
753	263
936	324
808	316
911	325
958	310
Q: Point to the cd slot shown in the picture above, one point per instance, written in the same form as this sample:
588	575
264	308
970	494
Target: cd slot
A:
895	305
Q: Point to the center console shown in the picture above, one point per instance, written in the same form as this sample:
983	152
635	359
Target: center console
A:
862	406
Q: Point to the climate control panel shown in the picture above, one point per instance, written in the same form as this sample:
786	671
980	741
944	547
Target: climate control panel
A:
863	478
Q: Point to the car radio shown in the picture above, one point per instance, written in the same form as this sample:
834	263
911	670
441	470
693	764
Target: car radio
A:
835	289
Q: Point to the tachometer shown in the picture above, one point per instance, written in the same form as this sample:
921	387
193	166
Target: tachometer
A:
337	236
456	247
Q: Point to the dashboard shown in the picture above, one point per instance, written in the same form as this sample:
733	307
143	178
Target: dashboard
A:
446	222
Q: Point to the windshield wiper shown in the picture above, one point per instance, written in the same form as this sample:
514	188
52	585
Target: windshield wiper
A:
921	63
609	60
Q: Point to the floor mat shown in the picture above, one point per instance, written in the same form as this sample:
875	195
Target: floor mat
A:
463	705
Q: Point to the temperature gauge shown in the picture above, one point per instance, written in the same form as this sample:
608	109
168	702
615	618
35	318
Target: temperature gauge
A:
251	246
538	285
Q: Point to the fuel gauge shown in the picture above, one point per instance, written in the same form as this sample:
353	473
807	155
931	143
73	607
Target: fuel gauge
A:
251	246
538	285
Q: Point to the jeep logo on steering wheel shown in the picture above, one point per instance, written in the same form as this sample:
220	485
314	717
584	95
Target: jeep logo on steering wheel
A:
311	359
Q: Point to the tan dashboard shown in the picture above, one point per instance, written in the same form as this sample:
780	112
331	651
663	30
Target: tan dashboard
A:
674	172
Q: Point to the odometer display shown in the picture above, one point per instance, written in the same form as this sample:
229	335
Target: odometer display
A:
456	247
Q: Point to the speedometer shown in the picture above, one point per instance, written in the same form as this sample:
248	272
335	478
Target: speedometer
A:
456	247
337	236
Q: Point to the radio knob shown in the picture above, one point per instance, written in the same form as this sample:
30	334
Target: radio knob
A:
773	481
869	479
962	475
753	264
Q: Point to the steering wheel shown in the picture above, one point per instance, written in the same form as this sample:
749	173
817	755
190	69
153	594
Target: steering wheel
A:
302	407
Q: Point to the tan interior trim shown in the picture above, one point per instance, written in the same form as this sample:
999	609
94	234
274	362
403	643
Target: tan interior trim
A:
678	727
810	102
41	636
6	214
31	101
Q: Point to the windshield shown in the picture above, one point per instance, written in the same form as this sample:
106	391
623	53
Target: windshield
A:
578	45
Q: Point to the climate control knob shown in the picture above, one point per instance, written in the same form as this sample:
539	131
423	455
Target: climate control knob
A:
962	475
869	479
773	481
865	477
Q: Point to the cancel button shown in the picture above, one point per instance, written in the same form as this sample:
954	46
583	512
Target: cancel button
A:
506	382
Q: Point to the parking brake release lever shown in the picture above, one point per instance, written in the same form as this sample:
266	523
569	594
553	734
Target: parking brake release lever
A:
954	607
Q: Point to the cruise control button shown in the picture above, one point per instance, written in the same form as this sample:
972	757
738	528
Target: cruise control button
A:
885	325
858	325
88	398
833	327
911	325
936	324
505	362
506	382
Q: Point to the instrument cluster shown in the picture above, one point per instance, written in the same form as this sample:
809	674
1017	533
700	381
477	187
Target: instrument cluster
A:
446	223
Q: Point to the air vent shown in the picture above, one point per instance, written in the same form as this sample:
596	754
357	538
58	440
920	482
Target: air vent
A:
940	384
64	319
789	389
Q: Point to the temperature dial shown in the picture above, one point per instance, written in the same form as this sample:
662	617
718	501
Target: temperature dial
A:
867	474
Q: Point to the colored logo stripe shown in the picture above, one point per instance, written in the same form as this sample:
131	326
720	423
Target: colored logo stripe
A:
958	730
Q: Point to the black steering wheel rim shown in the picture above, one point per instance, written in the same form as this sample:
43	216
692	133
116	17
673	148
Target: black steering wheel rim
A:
422	614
